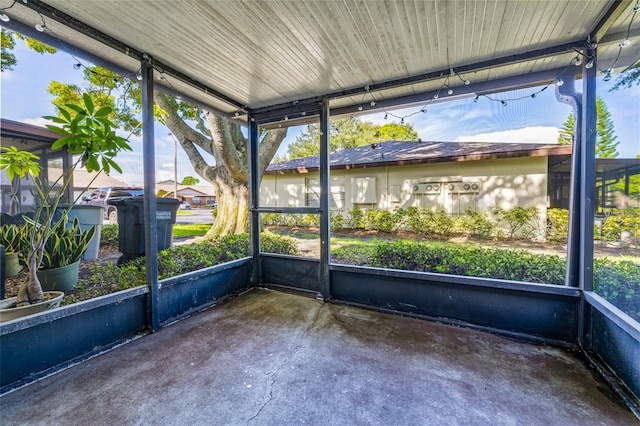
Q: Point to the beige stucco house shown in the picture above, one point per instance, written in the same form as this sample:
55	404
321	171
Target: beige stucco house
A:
453	176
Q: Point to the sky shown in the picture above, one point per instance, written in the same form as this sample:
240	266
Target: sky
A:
24	98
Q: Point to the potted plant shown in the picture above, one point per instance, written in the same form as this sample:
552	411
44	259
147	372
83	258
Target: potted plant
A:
89	134
12	238
62	254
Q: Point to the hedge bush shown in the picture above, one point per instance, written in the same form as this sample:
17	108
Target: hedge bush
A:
516	265
619	283
107	278
616	281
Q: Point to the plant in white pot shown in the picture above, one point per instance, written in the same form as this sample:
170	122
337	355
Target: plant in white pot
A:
86	132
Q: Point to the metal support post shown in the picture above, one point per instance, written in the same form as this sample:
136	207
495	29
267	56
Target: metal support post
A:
325	193
587	178
567	94
254	201
587	174
150	219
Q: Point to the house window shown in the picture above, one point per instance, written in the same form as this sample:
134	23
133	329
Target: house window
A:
312	193
336	198
363	190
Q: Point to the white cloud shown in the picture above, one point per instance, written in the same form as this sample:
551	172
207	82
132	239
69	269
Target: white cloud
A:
536	134
37	121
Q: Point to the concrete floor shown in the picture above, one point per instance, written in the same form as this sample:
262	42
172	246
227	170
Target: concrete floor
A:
271	358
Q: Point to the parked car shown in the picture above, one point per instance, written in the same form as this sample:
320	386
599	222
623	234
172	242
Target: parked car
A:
185	206
100	196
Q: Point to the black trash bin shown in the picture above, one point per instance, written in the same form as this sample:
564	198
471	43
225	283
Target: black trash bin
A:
131	241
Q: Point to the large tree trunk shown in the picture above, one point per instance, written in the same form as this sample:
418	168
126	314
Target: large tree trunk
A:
229	175
233	207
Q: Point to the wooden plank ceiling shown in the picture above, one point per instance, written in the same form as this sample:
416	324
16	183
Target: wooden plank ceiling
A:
254	54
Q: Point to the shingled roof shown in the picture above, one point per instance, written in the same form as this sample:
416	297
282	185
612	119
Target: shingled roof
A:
398	153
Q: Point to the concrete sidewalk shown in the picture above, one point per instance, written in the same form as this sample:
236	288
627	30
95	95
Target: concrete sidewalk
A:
271	358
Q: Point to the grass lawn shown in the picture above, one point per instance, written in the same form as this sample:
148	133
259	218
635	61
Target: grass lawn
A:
184	212
190	230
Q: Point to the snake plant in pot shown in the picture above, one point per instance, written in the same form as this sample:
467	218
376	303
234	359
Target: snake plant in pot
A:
89	135
61	256
13	237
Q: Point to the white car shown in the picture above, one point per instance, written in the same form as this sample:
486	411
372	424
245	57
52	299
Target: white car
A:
185	206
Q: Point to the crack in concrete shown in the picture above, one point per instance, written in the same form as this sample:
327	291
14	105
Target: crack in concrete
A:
292	353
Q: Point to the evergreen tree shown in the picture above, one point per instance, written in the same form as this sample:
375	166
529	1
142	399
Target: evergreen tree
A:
606	140
566	132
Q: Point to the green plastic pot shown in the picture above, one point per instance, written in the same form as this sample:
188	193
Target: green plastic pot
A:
64	278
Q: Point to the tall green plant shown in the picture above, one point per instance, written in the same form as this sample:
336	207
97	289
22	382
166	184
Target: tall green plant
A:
84	131
66	245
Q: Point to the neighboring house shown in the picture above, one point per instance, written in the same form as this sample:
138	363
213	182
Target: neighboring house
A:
81	179
454	176
38	140
92	181
196	195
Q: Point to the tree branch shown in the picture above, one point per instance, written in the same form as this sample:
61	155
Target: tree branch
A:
200	165
223	142
179	128
268	146
188	139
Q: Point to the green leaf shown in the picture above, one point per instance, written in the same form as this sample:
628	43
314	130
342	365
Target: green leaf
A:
58	130
65	114
92	164
115	166
55	119
60	143
88	102
76	108
104	111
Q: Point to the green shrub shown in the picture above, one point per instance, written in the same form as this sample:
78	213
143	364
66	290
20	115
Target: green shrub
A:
477	224
557	225
353	254
619	221
616	281
308	220
109	234
517	265
518	220
269	219
290	220
107	278
356	218
413	219
619	283
379	220
337	220
272	243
